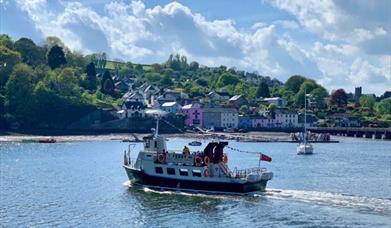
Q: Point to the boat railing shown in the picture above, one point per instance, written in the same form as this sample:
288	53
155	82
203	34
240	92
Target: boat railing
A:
243	173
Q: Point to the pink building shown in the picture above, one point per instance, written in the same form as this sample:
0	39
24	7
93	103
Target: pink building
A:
193	114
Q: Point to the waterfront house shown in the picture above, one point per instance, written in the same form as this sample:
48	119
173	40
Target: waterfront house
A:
171	107
245	122
311	120
237	101
285	118
220	118
261	122
345	120
193	114
278	101
132	109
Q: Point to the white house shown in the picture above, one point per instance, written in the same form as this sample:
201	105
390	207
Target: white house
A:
172	107
286	118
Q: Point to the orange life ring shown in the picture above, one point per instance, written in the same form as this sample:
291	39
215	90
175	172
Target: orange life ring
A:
225	158
206	172
206	160
198	161
161	158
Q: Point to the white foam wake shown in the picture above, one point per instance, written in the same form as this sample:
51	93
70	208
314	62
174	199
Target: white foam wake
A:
328	198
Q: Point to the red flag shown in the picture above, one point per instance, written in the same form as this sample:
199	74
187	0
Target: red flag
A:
265	158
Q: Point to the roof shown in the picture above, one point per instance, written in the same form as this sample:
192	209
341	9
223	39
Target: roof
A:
169	104
236	97
272	98
134	104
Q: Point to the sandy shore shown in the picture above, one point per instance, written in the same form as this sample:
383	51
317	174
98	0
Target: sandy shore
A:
260	136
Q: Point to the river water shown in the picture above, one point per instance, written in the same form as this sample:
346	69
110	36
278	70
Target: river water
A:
83	184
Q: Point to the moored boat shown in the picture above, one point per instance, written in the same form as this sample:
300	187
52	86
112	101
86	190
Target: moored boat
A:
198	171
195	143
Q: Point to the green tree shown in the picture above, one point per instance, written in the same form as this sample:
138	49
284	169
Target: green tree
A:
368	102
8	59
6	41
244	109
31	54
306	88
194	66
318	96
91	76
263	89
166	81
383	107
64	82
19	94
107	86
56	57
227	79
294	83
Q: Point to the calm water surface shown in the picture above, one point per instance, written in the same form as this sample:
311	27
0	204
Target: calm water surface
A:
83	184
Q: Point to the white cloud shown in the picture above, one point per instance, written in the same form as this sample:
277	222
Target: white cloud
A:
139	34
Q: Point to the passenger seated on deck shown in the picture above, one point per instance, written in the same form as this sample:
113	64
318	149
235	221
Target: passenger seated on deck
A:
186	151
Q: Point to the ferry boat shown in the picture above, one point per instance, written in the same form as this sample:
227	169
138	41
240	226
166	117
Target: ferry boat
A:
204	171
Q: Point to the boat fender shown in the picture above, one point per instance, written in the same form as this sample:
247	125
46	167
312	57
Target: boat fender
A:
206	160
161	158
206	172
225	158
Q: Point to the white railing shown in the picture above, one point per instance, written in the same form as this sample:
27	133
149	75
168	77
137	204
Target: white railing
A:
243	173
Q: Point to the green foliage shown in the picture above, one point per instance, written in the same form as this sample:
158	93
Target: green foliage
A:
244	109
19	91
56	57
194	66
263	89
31	54
166	81
368	102
107	86
307	87
294	83
8	59
339	98
227	79
318	96
91	76
383	107
6	41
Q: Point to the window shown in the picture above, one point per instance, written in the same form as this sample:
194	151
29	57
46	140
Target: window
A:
155	144
196	173
183	172
170	171
159	170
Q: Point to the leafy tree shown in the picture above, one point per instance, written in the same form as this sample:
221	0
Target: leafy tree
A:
100	60
6	41
19	94
107	86
91	76
153	77
227	79
383	107
244	109
202	82
306	88
31	54
263	89
339	98
8	59
166	81
318	96
64	82
294	83
51	41
368	102
56	57
194	66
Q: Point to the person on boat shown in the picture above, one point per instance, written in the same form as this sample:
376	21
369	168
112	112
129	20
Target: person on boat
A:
186	151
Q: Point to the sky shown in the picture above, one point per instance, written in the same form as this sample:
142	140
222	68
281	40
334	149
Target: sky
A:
339	43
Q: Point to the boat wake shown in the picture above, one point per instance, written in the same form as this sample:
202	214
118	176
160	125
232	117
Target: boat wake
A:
367	204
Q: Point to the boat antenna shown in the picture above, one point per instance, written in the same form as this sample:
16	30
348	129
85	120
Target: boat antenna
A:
157	125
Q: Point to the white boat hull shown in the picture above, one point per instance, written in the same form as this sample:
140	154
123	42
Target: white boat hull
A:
305	148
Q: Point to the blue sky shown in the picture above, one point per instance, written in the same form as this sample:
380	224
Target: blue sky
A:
344	43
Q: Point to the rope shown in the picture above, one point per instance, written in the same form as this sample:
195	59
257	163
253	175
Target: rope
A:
242	151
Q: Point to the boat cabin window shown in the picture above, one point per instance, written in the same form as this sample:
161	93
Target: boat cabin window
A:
159	170
170	171
155	144
183	172
196	173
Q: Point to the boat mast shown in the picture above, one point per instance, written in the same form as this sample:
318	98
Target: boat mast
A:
157	126
305	115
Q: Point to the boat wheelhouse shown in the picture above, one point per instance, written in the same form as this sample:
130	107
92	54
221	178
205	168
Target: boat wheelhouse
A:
205	170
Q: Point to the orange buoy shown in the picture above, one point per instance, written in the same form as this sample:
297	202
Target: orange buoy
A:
225	158
206	160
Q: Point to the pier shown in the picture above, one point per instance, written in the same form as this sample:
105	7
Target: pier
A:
364	132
